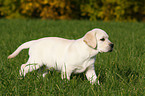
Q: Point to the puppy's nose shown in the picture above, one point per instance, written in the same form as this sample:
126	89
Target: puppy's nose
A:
111	45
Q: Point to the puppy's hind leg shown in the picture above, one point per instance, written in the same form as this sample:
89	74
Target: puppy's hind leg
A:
45	73
25	68
21	71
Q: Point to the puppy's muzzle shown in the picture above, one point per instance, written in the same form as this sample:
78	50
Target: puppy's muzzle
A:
111	47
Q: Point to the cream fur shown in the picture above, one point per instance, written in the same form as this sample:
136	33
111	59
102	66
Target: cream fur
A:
67	56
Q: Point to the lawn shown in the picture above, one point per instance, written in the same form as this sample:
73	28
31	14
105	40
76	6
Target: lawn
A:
121	72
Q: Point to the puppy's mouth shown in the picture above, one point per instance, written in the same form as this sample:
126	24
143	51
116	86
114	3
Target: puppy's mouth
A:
111	47
110	50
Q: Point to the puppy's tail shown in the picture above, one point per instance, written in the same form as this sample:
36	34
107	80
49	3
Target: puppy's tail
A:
23	46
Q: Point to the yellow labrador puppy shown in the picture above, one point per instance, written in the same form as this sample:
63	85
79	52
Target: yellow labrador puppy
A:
67	56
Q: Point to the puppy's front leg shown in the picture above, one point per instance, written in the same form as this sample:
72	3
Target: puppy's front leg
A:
65	73
91	75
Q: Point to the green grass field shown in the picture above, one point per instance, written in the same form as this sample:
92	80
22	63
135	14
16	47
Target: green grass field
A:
121	72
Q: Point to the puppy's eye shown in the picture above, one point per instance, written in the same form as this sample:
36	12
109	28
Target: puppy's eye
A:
102	39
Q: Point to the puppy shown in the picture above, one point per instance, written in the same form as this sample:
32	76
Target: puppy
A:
67	56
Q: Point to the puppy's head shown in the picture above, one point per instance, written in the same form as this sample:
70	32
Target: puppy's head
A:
98	39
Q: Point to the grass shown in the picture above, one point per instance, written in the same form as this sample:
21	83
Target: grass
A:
121	73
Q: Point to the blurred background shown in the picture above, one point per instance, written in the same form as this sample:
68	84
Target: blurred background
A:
107	10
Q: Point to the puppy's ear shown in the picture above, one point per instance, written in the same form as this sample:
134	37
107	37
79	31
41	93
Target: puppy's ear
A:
90	39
